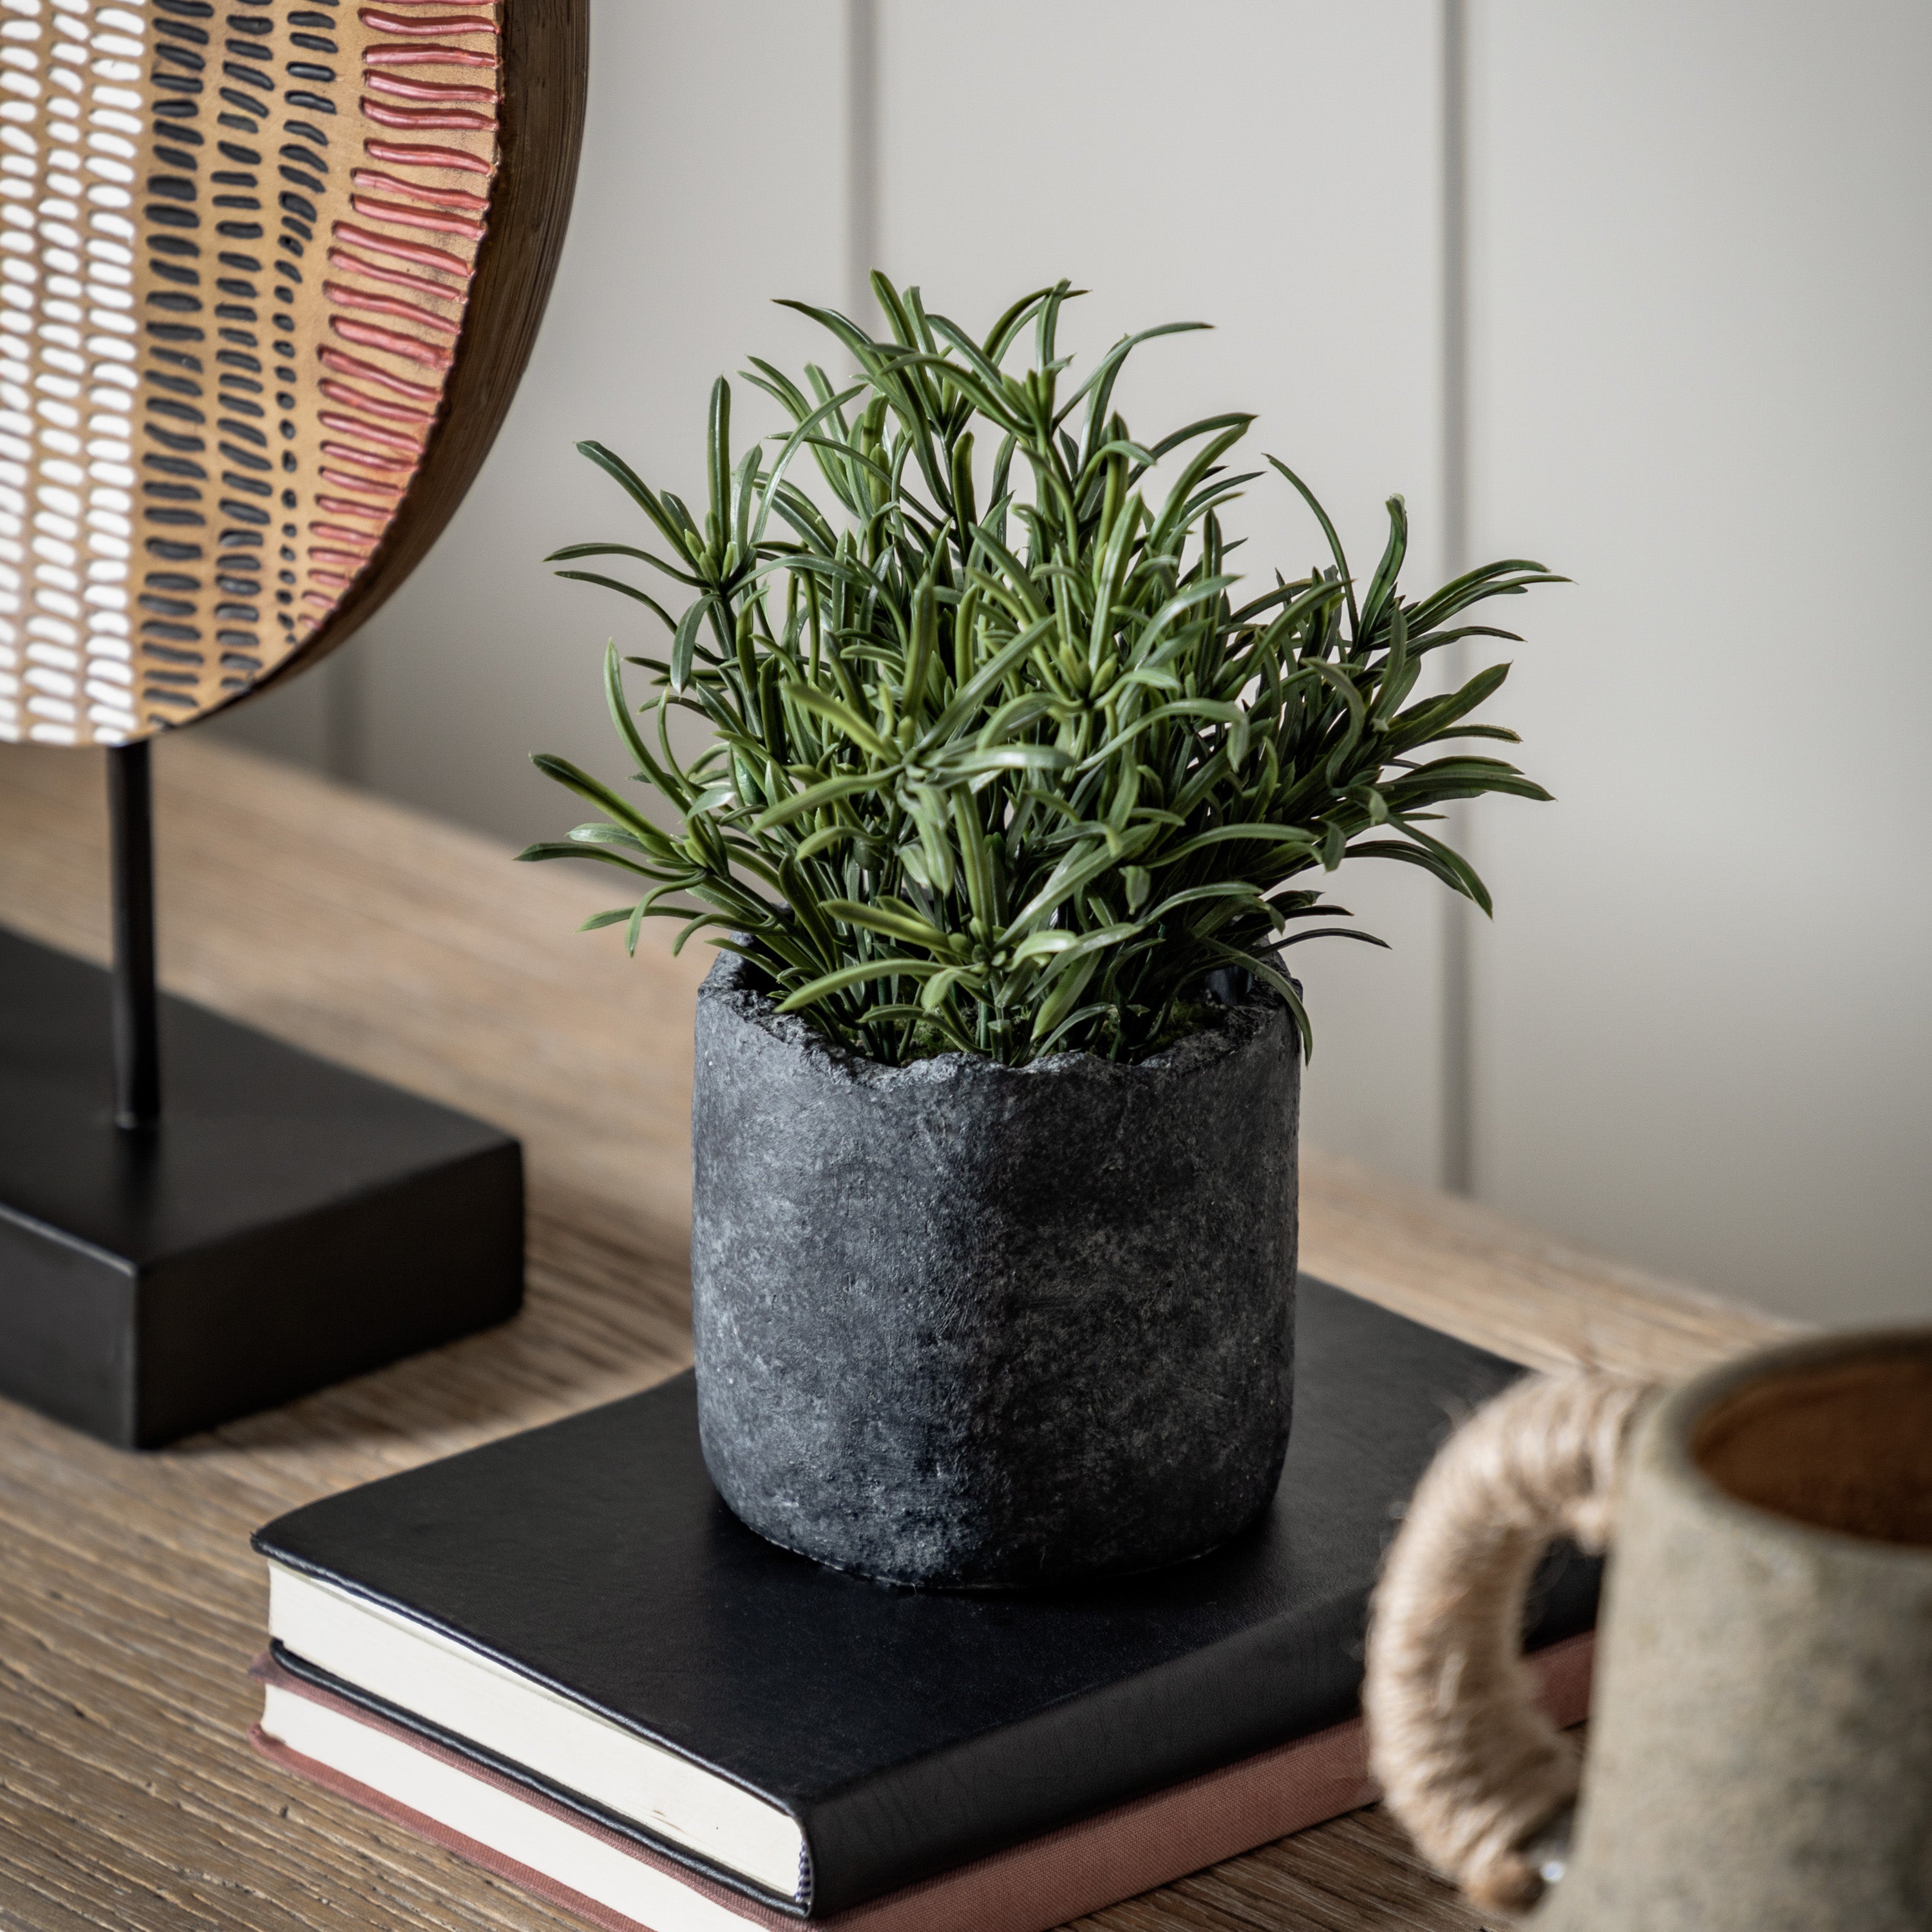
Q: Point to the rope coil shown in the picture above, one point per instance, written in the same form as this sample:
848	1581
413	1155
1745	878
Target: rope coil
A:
1466	1757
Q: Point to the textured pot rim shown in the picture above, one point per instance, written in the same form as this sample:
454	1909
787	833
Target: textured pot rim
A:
1242	1027
1672	1424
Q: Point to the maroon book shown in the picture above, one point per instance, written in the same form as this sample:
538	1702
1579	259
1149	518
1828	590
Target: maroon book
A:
532	1839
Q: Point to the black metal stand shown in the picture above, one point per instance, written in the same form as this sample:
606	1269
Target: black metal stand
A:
137	1018
286	1224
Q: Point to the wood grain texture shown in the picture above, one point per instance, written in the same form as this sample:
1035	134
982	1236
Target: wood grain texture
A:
130	1603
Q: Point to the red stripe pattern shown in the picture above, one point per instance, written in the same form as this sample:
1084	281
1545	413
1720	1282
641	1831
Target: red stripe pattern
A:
399	272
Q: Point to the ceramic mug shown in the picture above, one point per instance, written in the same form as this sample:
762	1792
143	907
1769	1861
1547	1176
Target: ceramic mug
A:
1760	1746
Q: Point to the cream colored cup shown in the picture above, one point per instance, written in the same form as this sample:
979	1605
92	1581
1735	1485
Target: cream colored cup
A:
1760	1753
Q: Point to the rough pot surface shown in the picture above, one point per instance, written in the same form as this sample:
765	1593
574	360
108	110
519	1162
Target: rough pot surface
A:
964	1325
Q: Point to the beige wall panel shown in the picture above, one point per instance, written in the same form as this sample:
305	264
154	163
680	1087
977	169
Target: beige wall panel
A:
1703	276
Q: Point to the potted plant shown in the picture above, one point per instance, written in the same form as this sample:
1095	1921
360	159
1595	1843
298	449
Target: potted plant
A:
1012	801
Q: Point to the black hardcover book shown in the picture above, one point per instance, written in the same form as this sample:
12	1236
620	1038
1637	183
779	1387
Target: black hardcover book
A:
739	1706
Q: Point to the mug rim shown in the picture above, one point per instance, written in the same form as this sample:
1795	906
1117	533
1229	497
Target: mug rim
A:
1674	1422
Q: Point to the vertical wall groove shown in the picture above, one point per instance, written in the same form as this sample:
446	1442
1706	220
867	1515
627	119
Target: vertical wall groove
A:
1458	991
862	154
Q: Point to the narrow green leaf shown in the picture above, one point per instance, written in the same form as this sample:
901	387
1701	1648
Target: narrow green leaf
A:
860	975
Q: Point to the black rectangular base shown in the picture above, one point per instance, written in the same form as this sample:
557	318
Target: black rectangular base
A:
290	1223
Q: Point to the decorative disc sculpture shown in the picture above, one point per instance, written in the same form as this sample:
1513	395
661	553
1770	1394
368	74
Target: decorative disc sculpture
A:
268	275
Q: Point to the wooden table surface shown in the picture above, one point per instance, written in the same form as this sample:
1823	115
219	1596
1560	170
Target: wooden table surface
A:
130	1603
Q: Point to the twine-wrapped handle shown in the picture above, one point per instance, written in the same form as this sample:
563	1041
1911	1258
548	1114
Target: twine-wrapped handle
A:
1466	1758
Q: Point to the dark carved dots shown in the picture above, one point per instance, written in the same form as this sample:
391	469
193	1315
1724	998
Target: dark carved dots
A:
172	460
303	168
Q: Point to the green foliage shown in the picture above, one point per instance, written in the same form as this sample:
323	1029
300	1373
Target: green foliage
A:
1005	761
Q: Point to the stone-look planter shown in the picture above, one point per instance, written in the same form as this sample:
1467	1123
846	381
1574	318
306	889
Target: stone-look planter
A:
960	1325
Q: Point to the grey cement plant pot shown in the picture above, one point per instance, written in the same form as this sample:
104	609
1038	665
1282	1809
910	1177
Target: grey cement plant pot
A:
970	1326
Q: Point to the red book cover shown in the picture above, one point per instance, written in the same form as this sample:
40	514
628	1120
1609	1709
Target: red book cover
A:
1031	1887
